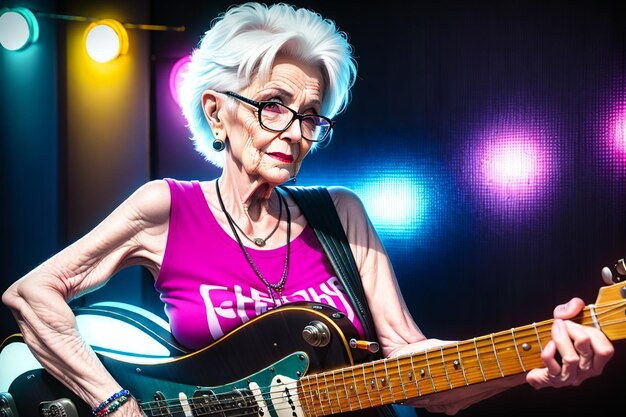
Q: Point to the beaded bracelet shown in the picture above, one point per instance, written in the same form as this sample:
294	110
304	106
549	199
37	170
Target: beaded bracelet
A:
114	400
114	405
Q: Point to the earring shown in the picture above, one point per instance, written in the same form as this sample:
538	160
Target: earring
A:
218	145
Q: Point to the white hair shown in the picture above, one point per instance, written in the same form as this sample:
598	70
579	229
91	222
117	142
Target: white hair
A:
244	41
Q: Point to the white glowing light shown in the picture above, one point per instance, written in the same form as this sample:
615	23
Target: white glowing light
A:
106	40
512	163
18	28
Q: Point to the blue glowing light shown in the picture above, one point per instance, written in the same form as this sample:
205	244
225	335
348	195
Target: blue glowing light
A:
402	195
393	201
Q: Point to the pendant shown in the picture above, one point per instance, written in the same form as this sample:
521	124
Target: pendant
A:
259	241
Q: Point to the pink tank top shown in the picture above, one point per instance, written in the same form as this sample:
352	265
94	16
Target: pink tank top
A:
208	286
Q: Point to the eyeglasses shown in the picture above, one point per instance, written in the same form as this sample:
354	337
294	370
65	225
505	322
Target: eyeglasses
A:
277	117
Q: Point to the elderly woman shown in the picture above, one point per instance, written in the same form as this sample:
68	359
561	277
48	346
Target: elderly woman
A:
260	94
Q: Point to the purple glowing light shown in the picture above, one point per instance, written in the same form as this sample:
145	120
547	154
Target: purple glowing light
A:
512	164
610	142
619	131
176	76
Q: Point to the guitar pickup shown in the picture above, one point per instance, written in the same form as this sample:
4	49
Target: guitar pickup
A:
62	407
7	405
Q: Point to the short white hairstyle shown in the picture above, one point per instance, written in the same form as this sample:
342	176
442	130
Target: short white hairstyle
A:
244	41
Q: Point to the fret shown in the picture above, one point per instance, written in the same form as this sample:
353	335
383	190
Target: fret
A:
345	389
538	338
504	356
495	353
400	378
517	350
526	340
461	364
336	393
316	395
304	400
445	369
393	400
356	389
367	390
527	348
417	382
430	375
323	390
380	391
479	361
330	403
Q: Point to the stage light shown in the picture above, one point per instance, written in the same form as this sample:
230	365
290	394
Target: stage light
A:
176	75
620	132
18	28
105	40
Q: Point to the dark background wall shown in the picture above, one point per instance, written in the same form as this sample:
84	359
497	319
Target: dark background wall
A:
446	90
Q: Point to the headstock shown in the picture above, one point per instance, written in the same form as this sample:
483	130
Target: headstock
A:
609	310
616	274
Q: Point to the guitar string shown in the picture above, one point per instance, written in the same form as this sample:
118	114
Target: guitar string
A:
203	404
167	406
200	407
543	326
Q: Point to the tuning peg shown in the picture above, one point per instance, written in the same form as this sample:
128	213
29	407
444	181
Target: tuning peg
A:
620	267
607	276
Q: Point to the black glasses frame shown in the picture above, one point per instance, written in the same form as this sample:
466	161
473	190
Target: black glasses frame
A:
260	105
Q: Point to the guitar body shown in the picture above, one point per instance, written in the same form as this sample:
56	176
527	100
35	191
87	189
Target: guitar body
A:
294	361
256	364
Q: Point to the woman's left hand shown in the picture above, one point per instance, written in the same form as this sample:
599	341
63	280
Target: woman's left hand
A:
584	351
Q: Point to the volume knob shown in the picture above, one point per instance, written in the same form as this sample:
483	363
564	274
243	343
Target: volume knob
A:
316	334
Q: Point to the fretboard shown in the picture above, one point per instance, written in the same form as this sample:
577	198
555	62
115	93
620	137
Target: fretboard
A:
397	379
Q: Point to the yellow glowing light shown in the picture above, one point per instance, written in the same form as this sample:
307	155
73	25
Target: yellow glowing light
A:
18	28
105	40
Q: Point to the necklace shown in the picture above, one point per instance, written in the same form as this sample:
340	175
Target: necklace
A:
271	288
259	241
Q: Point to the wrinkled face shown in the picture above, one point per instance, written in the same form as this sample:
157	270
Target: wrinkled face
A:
275	156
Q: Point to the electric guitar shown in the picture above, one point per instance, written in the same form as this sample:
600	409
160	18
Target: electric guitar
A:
299	360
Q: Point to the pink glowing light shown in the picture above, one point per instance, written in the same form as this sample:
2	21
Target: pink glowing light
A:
176	76
620	132
512	164
514	161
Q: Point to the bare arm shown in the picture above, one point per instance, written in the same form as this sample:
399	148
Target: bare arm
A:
133	234
584	350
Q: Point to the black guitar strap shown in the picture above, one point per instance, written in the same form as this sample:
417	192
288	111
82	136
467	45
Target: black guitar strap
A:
319	210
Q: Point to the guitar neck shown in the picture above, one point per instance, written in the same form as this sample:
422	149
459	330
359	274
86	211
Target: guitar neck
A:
463	363
396	379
